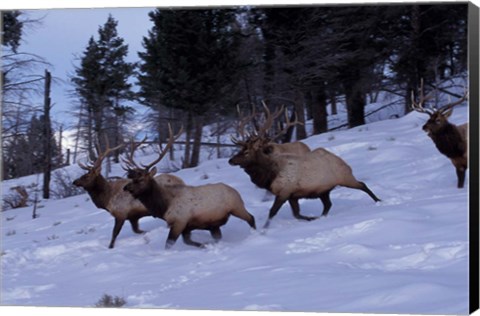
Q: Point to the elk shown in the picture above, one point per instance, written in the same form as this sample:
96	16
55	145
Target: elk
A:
109	195
291	177
185	208
451	140
262	132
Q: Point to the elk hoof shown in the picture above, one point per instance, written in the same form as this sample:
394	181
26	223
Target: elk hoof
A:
308	218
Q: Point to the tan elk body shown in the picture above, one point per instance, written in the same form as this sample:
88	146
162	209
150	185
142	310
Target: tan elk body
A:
291	177
310	174
297	148
185	208
110	196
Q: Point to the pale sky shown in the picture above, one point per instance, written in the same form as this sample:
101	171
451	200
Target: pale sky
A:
63	35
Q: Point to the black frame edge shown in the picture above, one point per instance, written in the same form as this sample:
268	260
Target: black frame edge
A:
474	223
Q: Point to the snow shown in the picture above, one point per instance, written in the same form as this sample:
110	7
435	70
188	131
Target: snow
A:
405	254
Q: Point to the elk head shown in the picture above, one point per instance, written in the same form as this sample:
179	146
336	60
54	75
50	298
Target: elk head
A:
249	150
438	118
141	175
258	142
94	169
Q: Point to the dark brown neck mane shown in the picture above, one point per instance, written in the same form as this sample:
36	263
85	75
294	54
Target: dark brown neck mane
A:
100	192
262	172
449	141
153	198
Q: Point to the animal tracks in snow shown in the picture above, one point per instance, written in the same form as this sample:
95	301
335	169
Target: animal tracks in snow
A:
325	240
342	243
427	256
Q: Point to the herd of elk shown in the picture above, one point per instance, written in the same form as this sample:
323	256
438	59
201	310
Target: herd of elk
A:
451	140
290	171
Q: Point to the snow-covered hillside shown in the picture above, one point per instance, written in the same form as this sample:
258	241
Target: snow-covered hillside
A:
406	254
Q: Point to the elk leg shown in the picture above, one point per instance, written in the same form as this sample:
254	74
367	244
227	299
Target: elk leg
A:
246	216
216	233
460	177
296	211
327	204
186	234
173	235
116	230
135	228
274	210
365	189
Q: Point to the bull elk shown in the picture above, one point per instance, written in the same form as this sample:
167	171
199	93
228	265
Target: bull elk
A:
291	176
185	208
109	194
451	140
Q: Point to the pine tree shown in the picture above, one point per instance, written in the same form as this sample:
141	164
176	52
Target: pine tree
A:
189	63
427	42
297	62
12	29
101	81
285	30
359	49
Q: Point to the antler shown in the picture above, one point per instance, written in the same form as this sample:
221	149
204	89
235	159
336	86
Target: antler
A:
242	123
85	167
269	119
131	164
447	107
261	131
419	106
97	164
288	124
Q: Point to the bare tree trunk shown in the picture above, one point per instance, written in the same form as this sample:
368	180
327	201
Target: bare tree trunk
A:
68	157
197	139
415	72
355	100
188	135
247	90
99	132
218	140
91	150
47	138
333	101
117	137
309	104
77	137
300	113
320	123
35	200
60	149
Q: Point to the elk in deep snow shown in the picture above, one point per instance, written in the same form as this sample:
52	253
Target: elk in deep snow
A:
109	194
291	177
185	208
451	140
